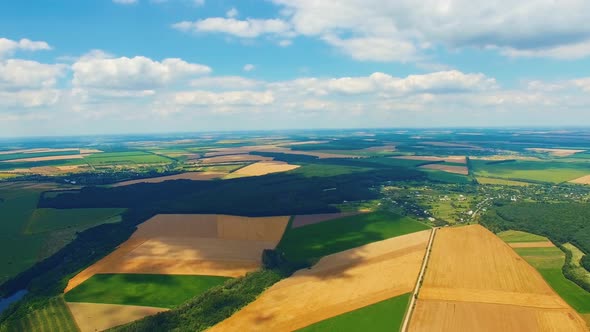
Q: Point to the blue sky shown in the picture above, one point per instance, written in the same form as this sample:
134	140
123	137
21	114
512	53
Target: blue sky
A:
125	66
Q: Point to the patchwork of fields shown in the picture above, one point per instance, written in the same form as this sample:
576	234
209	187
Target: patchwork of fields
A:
192	245
339	283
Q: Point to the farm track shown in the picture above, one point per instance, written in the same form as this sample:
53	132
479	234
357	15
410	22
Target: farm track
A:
418	282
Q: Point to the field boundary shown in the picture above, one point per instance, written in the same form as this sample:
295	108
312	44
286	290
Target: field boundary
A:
414	296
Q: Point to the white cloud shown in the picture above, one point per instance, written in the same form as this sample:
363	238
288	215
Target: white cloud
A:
225	83
249	67
285	43
240	98
376	30
125	2
249	28
18	74
28	98
232	13
383	84
138	73
8	46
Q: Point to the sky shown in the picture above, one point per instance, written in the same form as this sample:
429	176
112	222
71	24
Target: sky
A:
71	67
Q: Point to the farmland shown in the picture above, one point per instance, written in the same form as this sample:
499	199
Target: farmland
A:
519	170
549	262
191	245
237	230
383	316
317	240
30	234
340	283
474	294
54	316
151	290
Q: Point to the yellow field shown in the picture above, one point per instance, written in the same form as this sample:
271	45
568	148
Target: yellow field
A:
556	152
582	180
92	317
263	168
450	159
337	284
182	176
447	168
218	245
476	282
49	158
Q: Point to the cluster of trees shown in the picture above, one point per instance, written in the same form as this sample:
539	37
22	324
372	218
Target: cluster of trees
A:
560	222
211	307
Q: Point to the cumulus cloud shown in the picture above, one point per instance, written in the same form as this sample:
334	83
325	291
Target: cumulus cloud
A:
207	98
376	30
379	83
249	67
19	74
225	83
132	73
233	12
29	98
249	28
8	46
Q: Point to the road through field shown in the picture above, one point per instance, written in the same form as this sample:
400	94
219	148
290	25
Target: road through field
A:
476	282
418	282
337	284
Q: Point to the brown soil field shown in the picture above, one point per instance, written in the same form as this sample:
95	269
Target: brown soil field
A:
451	159
542	244
91	317
556	152
309	219
234	157
40	150
505	157
68	157
582	180
448	168
476	282
263	168
337	284
239	150
198	244
196	176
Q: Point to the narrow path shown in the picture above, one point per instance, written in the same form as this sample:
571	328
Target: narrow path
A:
418	282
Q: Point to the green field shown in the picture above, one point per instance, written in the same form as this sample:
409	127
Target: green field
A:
14	156
446	177
315	241
53	316
17	250
152	290
28	234
536	171
386	315
129	157
310	170
549	262
47	220
501	182
518	236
